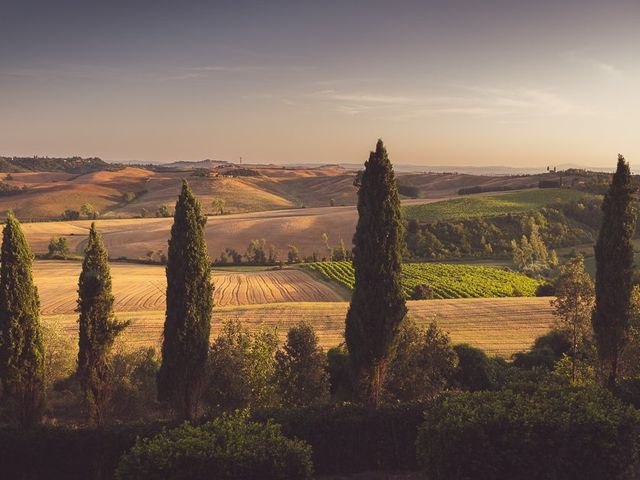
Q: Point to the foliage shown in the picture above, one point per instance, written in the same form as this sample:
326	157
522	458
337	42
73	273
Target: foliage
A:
98	327
256	253
241	369
614	269
293	254
70	214
546	351
134	393
422	291
301	368
89	211
58	247
567	433
163	211
218	205
185	345
60	355
573	305
377	305
475	371
352	438
22	349
446	280
229	447
341	376
424	363
560	225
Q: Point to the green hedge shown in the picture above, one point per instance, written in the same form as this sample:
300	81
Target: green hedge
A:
555	433
350	438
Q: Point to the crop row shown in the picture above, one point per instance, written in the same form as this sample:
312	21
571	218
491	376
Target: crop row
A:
446	280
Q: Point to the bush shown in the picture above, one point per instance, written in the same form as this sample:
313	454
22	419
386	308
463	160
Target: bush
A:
134	393
301	371
422	292
546	290
241	369
229	447
341	375
546	351
351	438
554	433
475	371
423	365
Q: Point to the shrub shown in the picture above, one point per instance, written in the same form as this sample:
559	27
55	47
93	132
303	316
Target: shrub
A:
58	247
229	447
546	351
134	394
241	369
301	371
423	365
341	376
546	290
475	370
352	438
422	292
554	433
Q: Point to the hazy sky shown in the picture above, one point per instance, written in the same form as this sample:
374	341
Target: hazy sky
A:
517	83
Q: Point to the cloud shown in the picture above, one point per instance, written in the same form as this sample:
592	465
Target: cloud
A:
467	101
597	64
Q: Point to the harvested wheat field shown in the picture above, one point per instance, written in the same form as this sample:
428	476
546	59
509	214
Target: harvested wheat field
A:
142	287
500	326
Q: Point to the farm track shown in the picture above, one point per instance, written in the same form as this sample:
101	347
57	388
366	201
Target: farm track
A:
500	326
142	287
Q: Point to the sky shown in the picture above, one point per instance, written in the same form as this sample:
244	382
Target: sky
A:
514	83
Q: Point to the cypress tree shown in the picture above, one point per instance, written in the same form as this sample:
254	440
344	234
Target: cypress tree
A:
98	327
22	361
189	304
377	305
614	269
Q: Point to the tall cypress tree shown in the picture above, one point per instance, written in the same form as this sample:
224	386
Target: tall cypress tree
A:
189	304
21	342
98	327
377	304
614	269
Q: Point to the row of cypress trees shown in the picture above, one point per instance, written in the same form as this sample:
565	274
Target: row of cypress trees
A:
22	348
373	320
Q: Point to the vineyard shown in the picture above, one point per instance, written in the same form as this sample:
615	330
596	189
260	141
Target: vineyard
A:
491	205
446	280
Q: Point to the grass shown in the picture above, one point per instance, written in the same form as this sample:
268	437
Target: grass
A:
500	326
447	280
491	205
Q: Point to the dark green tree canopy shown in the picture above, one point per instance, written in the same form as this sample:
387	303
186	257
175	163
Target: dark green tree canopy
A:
377	304
98	327
189	306
21	342
614	269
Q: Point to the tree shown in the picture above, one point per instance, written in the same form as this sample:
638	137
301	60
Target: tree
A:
189	306
573	304
218	205
98	328
22	352
293	255
70	215
255	252
424	364
58	247
241	369
301	368
89	211
377	306
325	239
163	211
614	269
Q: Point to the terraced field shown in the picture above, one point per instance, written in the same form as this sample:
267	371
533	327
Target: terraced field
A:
500	326
446	280
142	287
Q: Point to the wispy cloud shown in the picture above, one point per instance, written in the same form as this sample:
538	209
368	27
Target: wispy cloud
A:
468	100
595	63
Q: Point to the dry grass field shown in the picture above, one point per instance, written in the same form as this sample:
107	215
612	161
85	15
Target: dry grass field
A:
134	237
500	326
142	287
